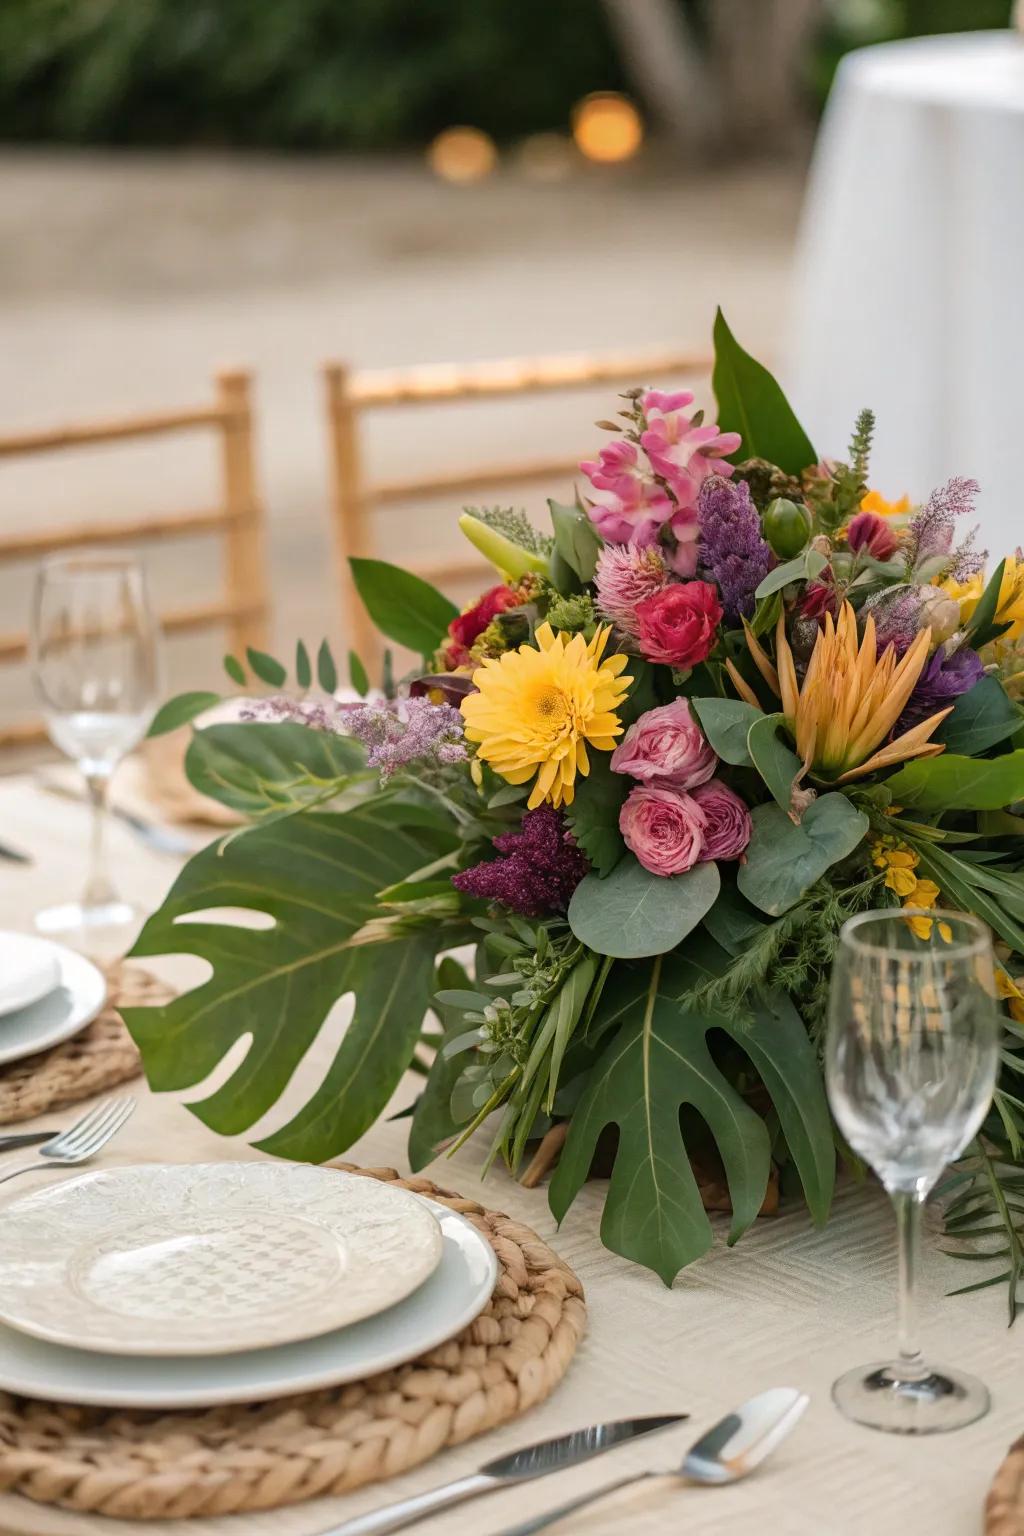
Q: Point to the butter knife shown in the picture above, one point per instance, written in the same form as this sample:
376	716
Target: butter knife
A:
506	1471
14	854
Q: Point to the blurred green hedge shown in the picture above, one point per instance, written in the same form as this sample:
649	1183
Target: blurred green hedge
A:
295	73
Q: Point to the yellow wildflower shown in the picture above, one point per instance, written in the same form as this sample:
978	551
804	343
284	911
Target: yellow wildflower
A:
1009	991
899	863
874	502
1009	608
537	709
850	699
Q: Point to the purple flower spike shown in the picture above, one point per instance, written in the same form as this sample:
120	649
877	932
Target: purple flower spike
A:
539	868
731	546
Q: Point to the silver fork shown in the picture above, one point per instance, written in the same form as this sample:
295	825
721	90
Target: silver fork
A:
82	1140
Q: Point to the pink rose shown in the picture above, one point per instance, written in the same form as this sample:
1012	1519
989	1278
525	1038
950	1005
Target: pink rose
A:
666	747
727	821
664	828
629	507
679	625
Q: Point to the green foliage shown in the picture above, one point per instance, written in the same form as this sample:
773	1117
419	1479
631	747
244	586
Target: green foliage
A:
594	814
577	541
778	766
261	769
982	717
357	675
726	724
860	445
326	671
632	913
303	669
234	669
783	861
952	782
404	607
572	615
266	668
657	1061
515	526
316	876
180	710
981	626
315	74
751	403
805	567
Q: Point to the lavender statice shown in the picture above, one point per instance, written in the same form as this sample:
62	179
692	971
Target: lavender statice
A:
279	709
538	869
731	546
932	531
411	730
941	683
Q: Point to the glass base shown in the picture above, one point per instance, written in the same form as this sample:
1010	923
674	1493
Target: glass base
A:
82	925
881	1397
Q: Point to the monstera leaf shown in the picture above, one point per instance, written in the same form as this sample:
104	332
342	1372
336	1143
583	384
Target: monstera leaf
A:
316	876
658	1061
261	769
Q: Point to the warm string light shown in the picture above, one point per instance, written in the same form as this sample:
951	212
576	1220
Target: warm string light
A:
607	127
462	155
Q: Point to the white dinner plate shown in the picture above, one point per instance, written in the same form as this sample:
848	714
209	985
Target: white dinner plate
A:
29	968
74	1002
209	1258
452	1297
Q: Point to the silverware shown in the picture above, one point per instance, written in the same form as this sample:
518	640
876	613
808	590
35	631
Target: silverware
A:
82	1140
506	1471
14	854
25	1139
160	839
728	1451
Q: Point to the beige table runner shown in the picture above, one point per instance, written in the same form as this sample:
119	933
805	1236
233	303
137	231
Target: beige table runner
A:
789	1305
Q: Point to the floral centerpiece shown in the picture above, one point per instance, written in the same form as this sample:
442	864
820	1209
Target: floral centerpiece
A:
733	697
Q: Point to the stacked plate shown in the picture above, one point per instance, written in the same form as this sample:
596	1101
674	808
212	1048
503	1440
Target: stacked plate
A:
184	1286
47	994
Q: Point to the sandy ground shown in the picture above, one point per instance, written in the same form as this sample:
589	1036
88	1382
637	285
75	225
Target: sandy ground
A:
124	280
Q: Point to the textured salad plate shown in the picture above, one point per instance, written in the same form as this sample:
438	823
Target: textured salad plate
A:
74	1002
29	968
209	1258
451	1298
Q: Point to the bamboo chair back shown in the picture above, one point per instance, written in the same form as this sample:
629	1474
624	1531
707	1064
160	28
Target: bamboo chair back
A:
351	395
236	516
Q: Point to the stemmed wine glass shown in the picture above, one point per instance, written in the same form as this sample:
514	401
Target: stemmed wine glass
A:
95	664
911	1061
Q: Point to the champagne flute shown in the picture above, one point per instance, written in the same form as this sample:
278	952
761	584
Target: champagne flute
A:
911	1060
95	663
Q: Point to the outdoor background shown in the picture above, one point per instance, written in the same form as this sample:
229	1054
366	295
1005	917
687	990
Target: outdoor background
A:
245	181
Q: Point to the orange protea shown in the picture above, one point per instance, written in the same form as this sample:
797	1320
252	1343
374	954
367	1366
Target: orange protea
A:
537	709
850	699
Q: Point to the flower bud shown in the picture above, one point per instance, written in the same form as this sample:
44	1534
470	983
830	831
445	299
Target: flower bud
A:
787	527
939	612
870	534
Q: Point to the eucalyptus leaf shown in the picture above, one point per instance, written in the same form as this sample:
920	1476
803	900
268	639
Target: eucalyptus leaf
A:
632	913
778	766
726	724
751	403
953	782
404	607
180	710
783	861
258	768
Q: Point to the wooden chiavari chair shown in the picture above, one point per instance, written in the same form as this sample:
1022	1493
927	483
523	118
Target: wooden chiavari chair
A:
237	517
351	395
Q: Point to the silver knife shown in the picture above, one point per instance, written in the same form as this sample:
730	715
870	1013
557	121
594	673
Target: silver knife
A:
505	1471
25	1139
14	854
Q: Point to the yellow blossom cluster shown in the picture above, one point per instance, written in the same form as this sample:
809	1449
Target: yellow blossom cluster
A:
914	890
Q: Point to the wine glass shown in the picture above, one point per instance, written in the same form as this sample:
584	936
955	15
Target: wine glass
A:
94	646
911	1060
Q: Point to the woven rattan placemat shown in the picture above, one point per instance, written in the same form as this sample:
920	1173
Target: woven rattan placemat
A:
100	1056
1004	1507
220	1461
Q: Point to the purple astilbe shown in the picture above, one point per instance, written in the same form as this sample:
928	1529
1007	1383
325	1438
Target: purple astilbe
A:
731	546
410	731
933	528
538	869
941	683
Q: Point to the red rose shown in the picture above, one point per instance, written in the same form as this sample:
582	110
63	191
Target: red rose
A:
679	624
471	624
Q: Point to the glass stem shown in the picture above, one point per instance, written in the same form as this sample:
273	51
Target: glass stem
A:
908	1222
98	888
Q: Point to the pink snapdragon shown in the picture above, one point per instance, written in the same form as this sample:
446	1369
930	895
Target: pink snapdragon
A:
682	453
629	507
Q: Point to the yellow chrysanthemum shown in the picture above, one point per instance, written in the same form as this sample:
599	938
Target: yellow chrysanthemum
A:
876	503
537	709
1010	607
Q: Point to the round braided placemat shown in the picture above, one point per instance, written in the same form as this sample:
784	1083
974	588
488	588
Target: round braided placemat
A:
1004	1507
221	1461
98	1057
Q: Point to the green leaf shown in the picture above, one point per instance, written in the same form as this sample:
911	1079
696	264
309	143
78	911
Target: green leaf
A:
751	403
258	768
594	814
576	539
303	670
783	861
659	1060
315	876
774	761
632	913
358	675
951	782
767	613
981	717
234	669
326	671
404	607
180	710
432	1123
808	564
266	668
726	724
983	617
732	922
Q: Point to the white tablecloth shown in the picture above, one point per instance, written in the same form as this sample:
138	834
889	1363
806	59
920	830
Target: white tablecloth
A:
788	1305
909	291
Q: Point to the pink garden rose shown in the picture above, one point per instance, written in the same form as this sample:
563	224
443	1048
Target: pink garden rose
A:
666	747
629	507
664	828
679	625
682	453
727	821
